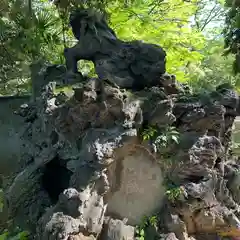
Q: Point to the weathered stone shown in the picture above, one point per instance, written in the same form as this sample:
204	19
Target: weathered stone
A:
80	236
106	170
76	211
197	156
228	97
169	236
177	226
117	230
133	65
42	73
162	114
83	159
134	177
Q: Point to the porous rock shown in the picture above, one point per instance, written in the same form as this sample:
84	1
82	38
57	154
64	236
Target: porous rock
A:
132	65
117	230
83	159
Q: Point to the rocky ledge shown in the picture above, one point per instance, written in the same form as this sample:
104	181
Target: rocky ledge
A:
92	168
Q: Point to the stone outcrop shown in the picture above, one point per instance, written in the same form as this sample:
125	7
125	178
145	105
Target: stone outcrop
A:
84	168
86	172
132	65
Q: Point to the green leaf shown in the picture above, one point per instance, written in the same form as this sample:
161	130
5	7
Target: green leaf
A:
4	235
163	138
145	137
175	139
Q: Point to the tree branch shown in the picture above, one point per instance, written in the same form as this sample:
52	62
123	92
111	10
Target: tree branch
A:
210	17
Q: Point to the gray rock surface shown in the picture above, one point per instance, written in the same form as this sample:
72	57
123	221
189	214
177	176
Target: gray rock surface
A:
83	158
132	65
117	230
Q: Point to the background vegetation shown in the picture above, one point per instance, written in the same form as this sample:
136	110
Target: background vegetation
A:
193	32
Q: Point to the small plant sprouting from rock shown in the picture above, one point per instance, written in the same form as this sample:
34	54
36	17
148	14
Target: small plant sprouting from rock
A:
140	233
146	222
174	193
169	134
149	133
161	138
16	235
21	235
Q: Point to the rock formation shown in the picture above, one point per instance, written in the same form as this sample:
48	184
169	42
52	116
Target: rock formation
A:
84	167
86	173
132	65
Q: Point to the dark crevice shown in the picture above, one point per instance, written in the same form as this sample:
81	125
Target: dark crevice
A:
178	122
231	114
55	178
54	137
145	124
217	163
194	178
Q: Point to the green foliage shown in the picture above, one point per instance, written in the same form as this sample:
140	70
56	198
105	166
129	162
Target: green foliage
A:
149	133
161	138
29	32
26	38
40	30
232	37
140	233
146	222
86	68
209	12
161	22
168	135
16	235
215	69
165	23
174	193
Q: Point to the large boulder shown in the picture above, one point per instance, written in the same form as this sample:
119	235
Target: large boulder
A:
83	161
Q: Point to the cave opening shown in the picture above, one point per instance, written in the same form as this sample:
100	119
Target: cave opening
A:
55	179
